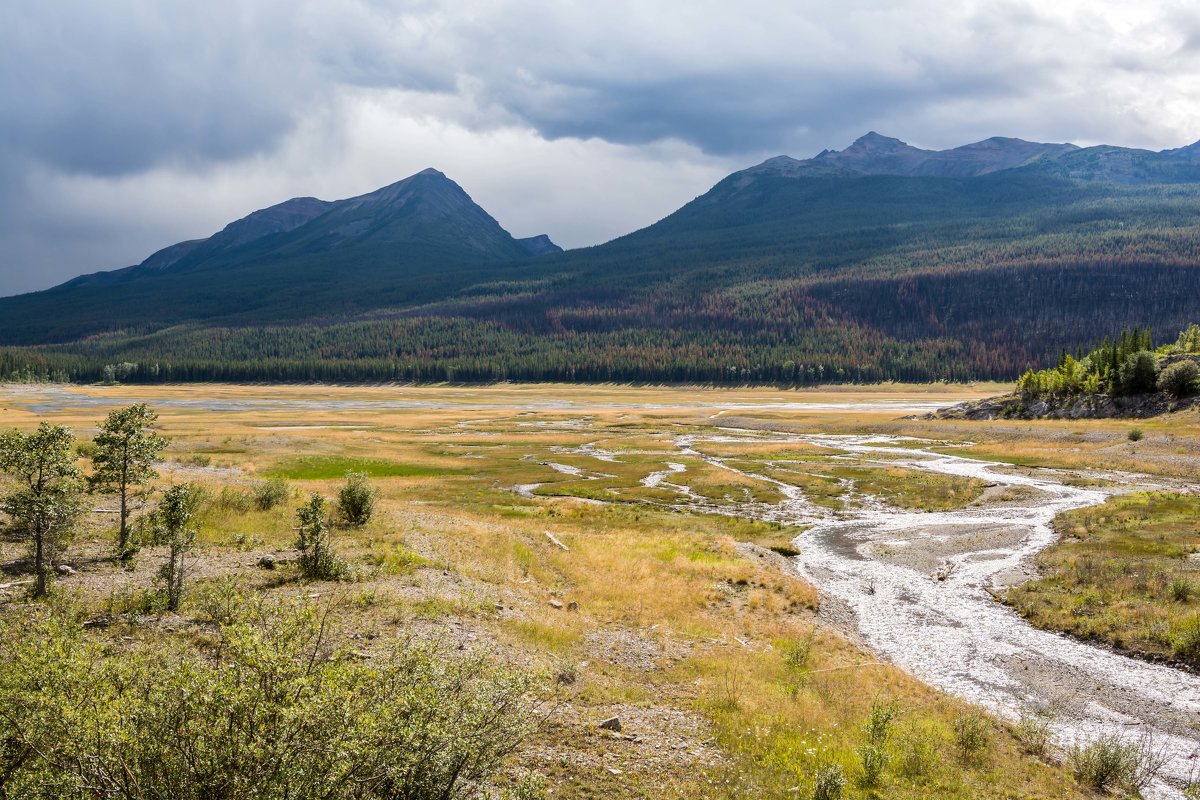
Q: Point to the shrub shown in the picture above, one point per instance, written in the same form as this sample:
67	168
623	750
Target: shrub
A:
271	493
874	761
1110	762
1185	639
920	749
268	708
1181	379
879	722
356	500
217	601
1181	590
317	559
796	654
829	782
971	732
1134	435
235	499
1033	732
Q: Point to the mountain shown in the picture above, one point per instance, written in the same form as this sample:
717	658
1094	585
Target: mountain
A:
874	154
301	259
880	261
539	245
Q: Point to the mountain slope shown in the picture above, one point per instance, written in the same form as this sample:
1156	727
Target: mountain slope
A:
881	261
299	260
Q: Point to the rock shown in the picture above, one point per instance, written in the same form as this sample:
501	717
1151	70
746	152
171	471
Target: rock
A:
64	570
267	562
572	606
555	602
611	724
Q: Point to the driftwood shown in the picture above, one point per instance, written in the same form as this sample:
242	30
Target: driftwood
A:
15	583
553	540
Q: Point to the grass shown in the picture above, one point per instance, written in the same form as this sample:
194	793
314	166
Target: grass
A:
914	489
702	648
320	468
1122	574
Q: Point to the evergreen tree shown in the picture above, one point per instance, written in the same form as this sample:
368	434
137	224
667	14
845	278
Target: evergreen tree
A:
47	501
125	451
172	526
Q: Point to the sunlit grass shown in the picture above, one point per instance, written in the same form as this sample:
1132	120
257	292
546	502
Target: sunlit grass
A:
1122	574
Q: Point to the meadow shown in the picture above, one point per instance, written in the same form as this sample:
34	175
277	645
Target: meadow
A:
506	527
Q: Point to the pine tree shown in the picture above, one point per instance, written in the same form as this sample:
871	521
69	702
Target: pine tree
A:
47	501
125	451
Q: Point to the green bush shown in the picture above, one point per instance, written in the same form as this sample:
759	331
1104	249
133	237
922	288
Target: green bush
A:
879	722
971	733
874	761
1185	639
920	750
271	493
1134	435
1139	373
233	498
356	500
270	709
1181	379
1033	732
317	560
829	782
1182	590
1109	762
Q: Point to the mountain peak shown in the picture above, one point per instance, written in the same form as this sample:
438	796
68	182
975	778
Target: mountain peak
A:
539	245
876	141
875	154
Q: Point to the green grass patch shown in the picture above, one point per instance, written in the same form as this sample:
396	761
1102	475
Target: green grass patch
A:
1122	574
319	468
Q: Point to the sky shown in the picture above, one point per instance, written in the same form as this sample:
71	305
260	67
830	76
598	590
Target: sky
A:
128	125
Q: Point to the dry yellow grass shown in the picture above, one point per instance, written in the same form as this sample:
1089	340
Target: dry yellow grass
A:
702	642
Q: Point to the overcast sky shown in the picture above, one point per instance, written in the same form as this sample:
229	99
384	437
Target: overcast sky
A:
128	125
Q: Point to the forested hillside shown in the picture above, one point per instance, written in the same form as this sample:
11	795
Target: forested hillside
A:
881	262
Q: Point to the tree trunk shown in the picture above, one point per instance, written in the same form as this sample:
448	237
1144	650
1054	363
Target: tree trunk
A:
39	559
124	538
175	580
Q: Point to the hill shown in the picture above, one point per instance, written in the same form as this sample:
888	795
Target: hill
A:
301	260
881	261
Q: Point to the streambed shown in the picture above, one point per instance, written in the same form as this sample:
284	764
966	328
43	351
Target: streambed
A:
915	586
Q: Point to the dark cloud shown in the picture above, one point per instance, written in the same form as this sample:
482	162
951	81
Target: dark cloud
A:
130	121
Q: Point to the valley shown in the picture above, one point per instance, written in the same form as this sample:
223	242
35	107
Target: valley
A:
878	262
745	579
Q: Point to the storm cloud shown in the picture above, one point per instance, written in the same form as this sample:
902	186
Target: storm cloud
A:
130	125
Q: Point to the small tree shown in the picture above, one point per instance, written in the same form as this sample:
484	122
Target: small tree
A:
172	526
47	503
1138	373
125	451
356	500
317	560
1181	379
